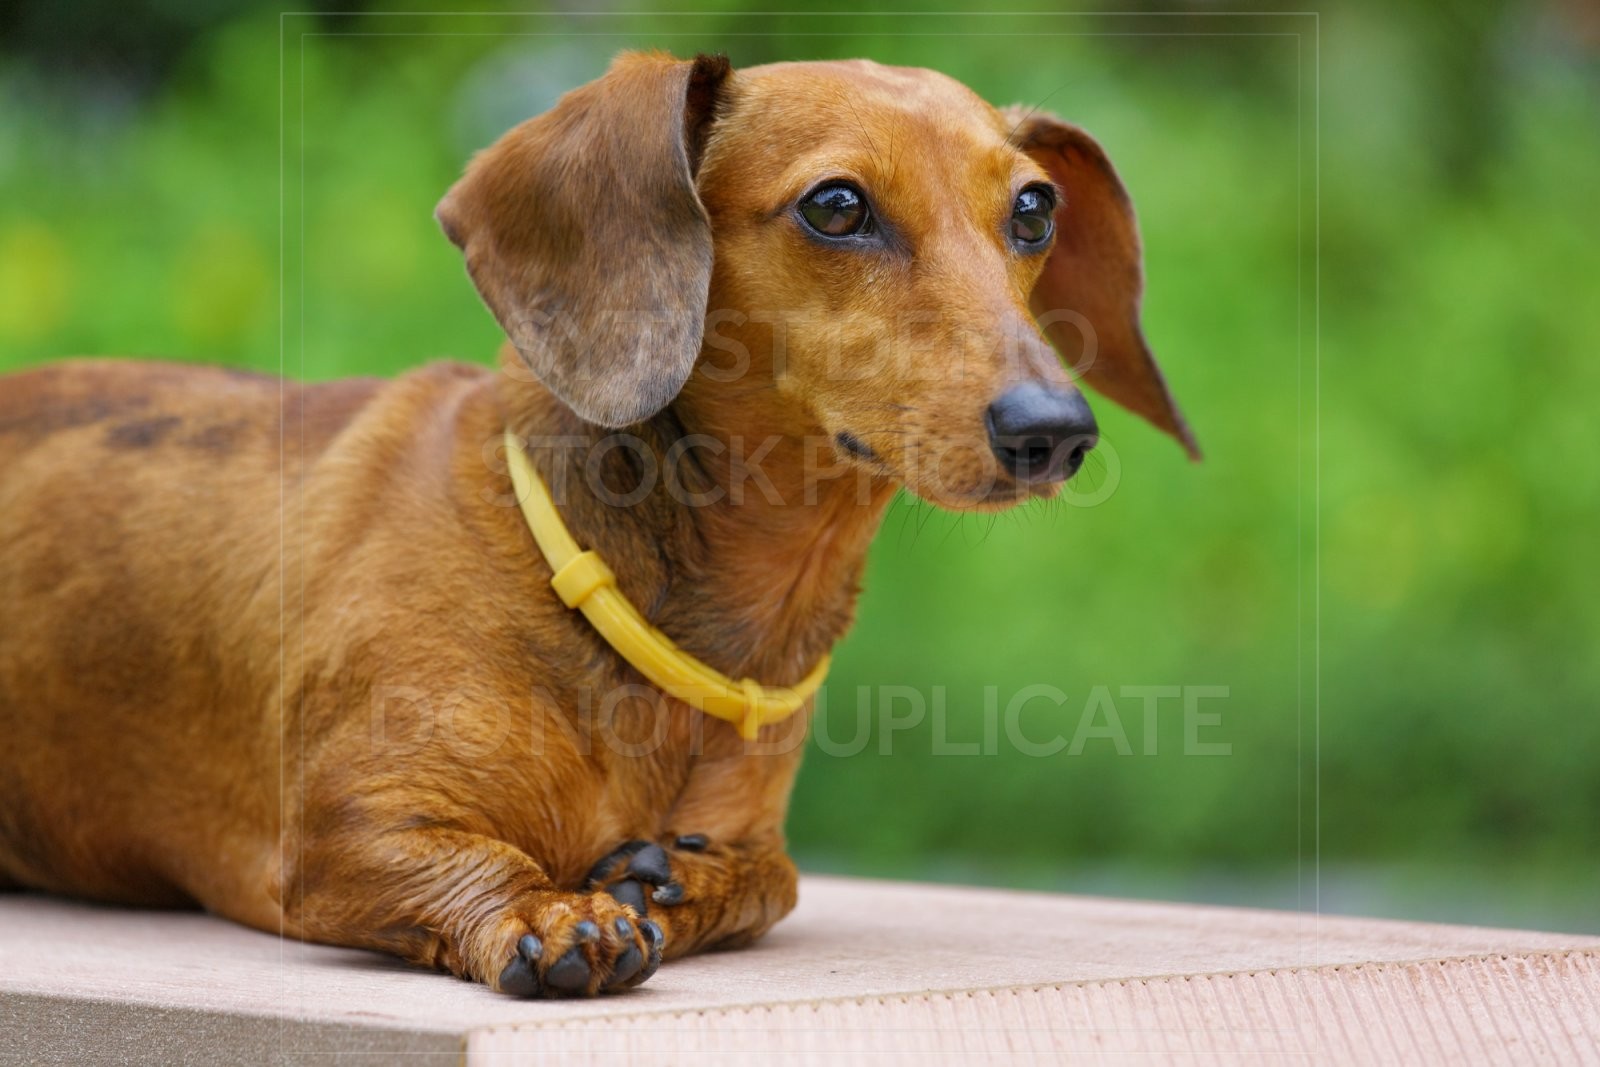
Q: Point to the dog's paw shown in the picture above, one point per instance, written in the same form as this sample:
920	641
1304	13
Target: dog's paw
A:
639	873
704	894
580	944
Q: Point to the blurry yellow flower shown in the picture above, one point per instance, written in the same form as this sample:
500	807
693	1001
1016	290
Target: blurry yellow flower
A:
35	281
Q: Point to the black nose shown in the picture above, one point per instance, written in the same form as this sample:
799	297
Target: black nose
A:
1041	433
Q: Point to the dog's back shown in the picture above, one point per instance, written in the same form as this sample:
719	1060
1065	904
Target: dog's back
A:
140	556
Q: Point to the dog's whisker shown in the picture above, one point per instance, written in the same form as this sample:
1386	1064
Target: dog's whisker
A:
1011	137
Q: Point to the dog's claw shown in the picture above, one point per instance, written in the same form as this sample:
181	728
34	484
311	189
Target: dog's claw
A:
570	973
631	893
691	842
656	939
521	976
671	893
588	930
650	864
631	961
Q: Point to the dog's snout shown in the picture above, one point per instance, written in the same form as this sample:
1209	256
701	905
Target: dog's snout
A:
1041	433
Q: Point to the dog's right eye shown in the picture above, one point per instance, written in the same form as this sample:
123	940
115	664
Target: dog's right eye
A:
837	210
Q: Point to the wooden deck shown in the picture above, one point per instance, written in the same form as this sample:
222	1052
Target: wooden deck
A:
870	972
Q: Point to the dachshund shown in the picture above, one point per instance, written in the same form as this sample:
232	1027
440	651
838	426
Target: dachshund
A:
292	653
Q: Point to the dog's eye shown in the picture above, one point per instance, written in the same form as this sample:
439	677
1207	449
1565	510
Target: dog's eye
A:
837	210
1031	215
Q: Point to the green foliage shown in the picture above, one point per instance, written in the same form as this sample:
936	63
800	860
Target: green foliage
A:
1384	339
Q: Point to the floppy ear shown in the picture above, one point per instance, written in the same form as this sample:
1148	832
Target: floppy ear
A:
1087	299
585	236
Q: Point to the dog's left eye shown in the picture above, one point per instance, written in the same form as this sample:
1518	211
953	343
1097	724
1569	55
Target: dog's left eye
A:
1031	215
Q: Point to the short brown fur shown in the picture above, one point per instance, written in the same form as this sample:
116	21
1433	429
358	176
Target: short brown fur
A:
289	652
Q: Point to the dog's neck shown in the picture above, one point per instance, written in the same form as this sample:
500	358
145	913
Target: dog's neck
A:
743	540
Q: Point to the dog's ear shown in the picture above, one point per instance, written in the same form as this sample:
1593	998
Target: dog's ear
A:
1087	299
584	234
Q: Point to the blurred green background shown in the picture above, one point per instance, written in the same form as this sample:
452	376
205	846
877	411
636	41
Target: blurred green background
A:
1373	269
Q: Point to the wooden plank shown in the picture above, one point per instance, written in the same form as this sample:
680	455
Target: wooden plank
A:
868	958
1534	1008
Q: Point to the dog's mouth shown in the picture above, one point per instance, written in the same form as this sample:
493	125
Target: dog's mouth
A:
1004	494
977	484
960	478
855	447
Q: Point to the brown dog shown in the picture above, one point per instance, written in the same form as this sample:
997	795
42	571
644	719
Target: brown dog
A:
290	652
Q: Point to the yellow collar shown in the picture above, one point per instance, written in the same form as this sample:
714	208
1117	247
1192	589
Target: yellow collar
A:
583	581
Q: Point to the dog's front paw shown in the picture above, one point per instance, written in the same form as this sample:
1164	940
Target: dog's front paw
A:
704	894
638	872
580	945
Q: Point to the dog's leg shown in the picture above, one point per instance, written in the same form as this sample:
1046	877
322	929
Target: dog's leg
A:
470	904
704	893
717	876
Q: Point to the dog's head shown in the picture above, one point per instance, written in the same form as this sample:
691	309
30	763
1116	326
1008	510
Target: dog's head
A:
866	252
